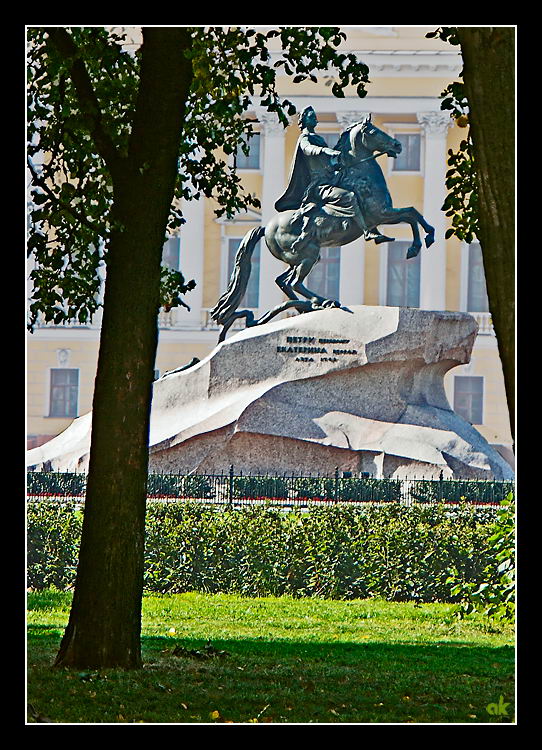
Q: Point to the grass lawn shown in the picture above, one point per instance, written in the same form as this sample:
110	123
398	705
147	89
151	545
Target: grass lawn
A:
280	660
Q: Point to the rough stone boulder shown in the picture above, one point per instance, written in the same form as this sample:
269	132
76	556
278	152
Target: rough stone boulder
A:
360	390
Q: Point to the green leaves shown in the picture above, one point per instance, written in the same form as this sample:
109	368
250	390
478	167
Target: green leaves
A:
73	187
172	286
446	33
425	553
494	595
461	203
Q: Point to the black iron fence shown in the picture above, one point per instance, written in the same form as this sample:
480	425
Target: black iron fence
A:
229	488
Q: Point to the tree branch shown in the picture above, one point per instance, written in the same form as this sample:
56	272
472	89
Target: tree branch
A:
86	95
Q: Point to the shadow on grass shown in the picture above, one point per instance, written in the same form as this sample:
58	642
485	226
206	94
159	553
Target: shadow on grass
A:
440	655
341	653
283	681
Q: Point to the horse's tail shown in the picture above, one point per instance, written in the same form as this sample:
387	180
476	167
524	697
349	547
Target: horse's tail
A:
231	299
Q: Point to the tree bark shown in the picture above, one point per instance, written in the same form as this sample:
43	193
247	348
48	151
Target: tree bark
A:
489	79
104	627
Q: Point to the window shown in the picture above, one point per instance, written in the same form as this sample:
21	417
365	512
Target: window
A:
409	160
403	277
325	276
330	138
251	297
469	398
171	253
64	392
252	160
477	293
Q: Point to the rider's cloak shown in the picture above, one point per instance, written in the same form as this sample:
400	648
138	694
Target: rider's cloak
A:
308	144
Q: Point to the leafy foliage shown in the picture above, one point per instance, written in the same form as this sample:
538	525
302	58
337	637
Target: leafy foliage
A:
298	490
69	484
73	186
342	552
171	485
494	595
53	534
72	189
55	483
260	487
459	490
461	203
348	489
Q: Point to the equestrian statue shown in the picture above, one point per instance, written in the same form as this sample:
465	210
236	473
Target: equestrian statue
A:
334	196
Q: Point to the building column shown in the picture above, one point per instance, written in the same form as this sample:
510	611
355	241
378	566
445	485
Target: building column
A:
352	268
352	273
191	261
274	180
433	259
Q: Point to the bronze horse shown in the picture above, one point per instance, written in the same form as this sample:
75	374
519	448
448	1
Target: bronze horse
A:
359	145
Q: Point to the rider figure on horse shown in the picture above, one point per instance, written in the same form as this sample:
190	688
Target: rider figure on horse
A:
317	184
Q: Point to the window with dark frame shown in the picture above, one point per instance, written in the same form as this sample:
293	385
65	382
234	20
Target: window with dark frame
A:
325	276
171	253
477	300
469	398
252	160
330	138
409	160
403	277
64	392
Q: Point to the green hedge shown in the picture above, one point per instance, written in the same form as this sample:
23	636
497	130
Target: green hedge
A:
173	485
495	594
55	483
53	534
458	490
68	484
390	551
296	489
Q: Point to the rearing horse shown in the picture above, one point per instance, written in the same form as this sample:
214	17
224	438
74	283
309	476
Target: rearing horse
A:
359	146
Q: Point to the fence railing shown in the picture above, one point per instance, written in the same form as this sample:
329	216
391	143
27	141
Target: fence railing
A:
229	488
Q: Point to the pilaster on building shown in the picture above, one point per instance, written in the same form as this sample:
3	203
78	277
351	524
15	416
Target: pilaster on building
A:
435	126
274	183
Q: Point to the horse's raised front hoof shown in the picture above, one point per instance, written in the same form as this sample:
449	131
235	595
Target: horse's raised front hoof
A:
413	251
429	239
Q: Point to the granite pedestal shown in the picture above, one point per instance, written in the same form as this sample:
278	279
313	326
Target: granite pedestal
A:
362	391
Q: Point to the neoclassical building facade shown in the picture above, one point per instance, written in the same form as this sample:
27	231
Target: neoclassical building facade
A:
407	74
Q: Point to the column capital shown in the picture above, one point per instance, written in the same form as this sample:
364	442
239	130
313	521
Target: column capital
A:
270	122
346	119
434	123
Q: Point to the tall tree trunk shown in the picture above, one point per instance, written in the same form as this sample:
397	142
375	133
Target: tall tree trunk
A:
105	620
489	78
